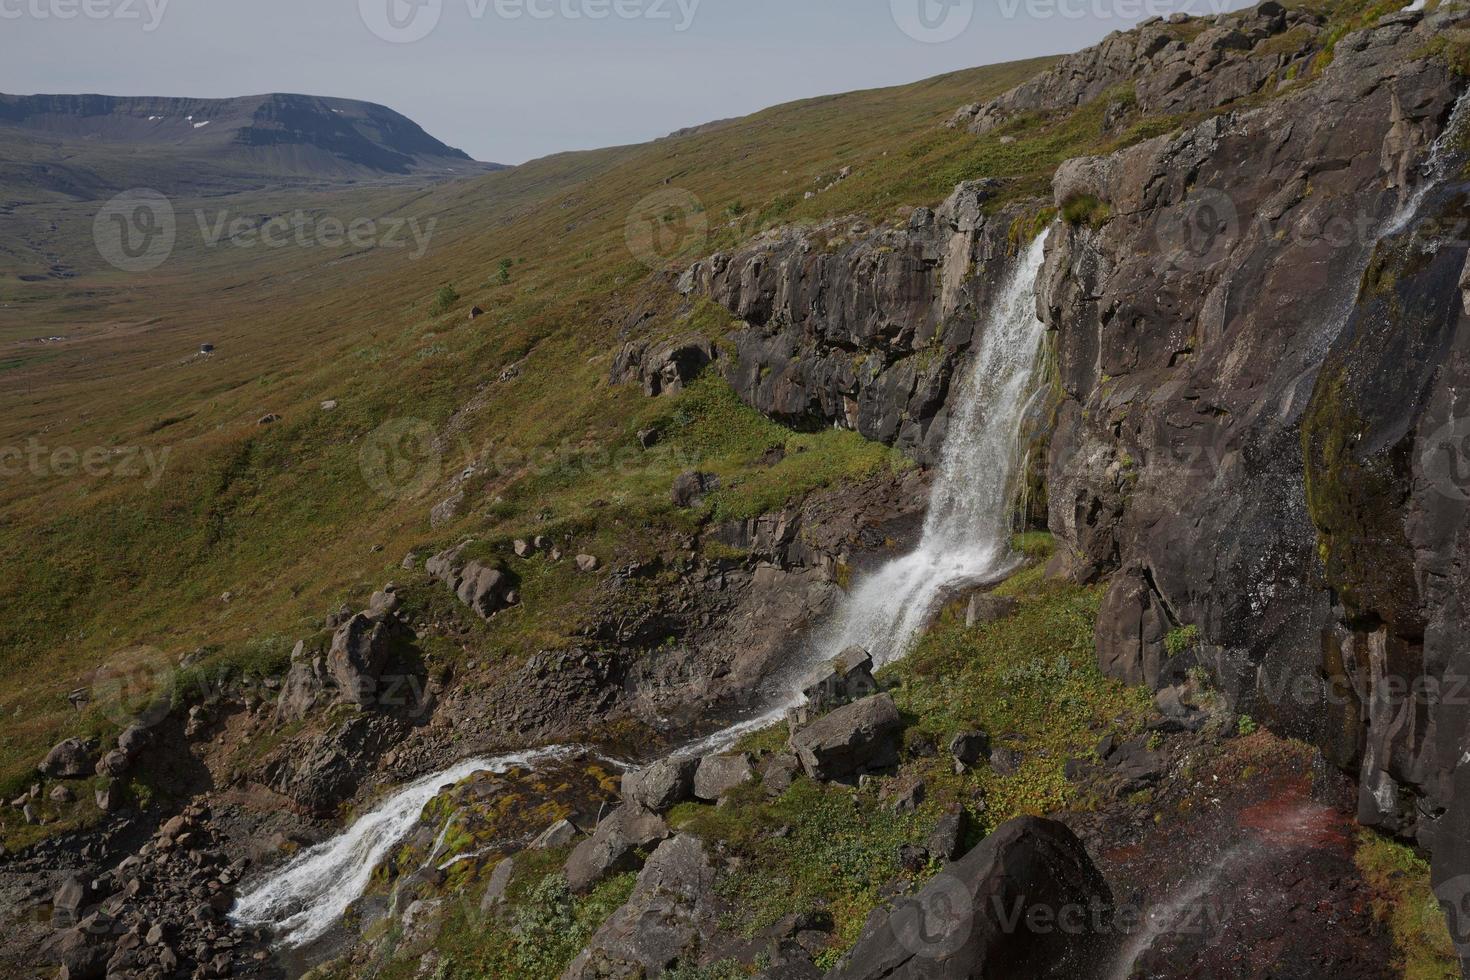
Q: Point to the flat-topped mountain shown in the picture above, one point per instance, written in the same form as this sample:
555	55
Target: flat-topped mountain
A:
81	145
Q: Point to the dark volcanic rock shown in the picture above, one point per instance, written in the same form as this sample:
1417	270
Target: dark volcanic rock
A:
860	328
995	913
663	369
673	906
860	737
613	846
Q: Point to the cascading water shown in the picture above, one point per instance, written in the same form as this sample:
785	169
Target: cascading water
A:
966	538
303	900
966	535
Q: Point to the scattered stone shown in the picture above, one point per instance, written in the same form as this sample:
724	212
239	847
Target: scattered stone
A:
690	488
587	563
70	759
62	794
858	738
986	607
476	313
613	846
270	419
948	838
662	785
717	775
555	837
524	549
330	405
648	438
910	798
447	510
970	748
1005	762
913	858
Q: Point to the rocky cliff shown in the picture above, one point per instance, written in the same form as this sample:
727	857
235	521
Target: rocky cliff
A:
1259	332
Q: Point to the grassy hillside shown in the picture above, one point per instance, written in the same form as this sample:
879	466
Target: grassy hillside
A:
98	563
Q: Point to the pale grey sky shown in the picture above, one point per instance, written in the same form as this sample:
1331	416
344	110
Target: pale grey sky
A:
510	80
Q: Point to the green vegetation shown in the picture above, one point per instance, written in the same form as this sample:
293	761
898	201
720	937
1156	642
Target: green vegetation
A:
1084	209
444	300
1405	903
1181	640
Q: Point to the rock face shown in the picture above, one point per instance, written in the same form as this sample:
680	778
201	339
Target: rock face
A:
858	738
1260	431
1171	67
860	328
1028	902
663	369
671	908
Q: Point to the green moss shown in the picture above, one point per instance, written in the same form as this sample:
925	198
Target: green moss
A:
1404	902
1182	639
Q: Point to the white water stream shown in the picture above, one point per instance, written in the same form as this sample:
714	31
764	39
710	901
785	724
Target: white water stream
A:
966	538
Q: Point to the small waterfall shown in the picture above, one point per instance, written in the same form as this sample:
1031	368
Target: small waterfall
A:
967	531
303	900
1434	171
966	538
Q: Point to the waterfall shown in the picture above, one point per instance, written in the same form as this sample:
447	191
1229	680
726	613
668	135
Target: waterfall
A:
967	531
304	899
966	538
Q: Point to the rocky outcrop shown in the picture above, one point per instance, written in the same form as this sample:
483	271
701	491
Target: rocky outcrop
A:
1260	354
486	588
663	368
1165	68
862	328
1028	902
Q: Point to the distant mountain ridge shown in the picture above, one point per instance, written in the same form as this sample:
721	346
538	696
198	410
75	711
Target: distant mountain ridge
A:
76	144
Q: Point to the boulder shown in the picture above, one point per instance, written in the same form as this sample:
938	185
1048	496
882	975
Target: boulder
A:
557	836
83	955
587	563
484	589
613	846
70	759
447	510
672	909
970	748
661	785
1027	902
948	836
359	652
719	774
857	738
74	894
779	773
690	488
986	607
499	882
